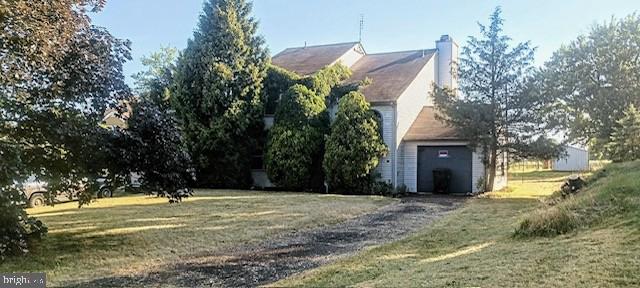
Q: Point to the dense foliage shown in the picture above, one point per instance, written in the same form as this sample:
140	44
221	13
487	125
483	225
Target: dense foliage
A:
154	83
58	75
296	141
217	93
154	148
295	145
277	82
624	143
498	111
590	82
354	146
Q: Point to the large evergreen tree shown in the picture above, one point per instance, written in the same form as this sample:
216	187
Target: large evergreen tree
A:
217	93
624	143
354	146
497	110
590	82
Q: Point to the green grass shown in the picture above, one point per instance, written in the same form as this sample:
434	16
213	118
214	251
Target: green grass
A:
132	234
474	246
612	196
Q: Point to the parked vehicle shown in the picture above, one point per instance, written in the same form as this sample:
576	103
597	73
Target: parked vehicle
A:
36	191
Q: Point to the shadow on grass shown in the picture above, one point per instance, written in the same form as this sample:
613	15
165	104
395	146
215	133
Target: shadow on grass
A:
272	260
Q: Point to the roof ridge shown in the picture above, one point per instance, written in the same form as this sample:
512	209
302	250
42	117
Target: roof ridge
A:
323	45
405	51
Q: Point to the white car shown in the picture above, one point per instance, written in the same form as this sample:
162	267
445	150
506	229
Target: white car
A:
36	191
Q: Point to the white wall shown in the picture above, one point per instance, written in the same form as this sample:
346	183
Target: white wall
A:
352	56
576	160
260	179
385	167
410	160
414	98
447	56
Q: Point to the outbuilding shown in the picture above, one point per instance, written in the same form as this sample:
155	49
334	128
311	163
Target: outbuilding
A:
575	159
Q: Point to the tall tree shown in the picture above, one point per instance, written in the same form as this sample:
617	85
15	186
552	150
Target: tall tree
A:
624	143
295	145
498	111
354	146
217	93
591	81
58	75
155	82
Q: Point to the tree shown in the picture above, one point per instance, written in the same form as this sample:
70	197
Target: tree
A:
155	82
296	140
277	82
154	148
624	143
354	146
58	75
295	145
591	81
217	93
499	111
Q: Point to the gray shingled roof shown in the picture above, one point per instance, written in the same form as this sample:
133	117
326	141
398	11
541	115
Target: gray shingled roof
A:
309	59
391	73
426	127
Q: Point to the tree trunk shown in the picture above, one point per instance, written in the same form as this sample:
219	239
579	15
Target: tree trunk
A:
491	167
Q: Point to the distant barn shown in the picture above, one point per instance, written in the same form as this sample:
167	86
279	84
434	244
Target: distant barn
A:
575	159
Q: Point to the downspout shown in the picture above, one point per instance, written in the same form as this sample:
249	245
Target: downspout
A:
394	168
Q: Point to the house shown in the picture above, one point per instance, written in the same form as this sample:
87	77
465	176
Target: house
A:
400	94
575	159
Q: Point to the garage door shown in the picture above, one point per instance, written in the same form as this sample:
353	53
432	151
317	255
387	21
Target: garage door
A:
455	158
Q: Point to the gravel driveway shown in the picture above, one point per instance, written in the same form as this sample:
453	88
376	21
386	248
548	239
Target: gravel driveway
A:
269	261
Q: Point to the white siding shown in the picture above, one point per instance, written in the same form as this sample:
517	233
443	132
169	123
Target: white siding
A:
385	168
577	159
410	160
260	179
477	170
268	121
410	103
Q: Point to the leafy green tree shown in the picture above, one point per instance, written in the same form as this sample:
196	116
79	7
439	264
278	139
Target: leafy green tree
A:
153	146
155	82
591	81
58	75
624	143
277	82
296	141
498	110
295	145
217	93
354	146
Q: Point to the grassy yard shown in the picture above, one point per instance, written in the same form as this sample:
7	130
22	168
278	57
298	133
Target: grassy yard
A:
475	247
125	235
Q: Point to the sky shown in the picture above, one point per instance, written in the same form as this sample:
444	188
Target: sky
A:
389	25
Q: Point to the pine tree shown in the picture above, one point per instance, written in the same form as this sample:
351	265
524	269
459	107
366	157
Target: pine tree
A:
217	93
624	143
498	111
354	146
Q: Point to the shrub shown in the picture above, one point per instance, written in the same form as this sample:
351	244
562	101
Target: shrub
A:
354	147
296	141
17	230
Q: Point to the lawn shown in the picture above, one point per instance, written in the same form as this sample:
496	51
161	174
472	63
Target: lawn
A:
132	234
474	247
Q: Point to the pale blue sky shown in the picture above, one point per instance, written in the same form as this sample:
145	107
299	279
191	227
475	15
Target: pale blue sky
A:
389	25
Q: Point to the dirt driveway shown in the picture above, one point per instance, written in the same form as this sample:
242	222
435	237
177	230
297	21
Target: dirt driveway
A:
269	261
